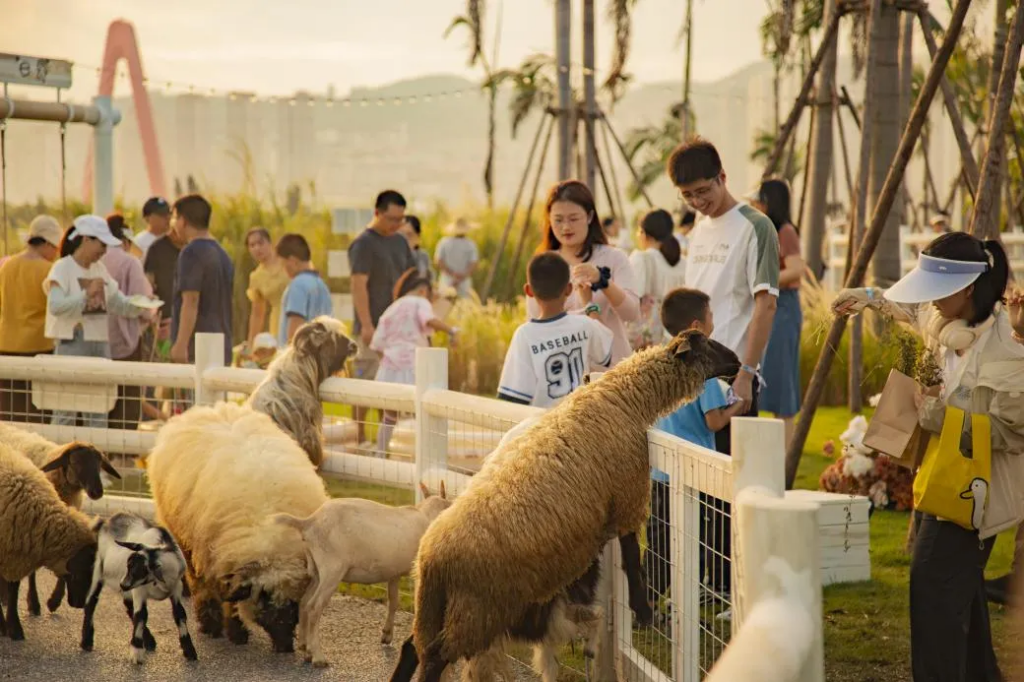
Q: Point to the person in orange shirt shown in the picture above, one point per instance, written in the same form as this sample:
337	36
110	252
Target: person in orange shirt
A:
23	312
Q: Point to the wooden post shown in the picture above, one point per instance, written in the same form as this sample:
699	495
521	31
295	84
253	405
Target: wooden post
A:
827	39
985	219
686	112
589	94
209	355
620	213
431	431
563	31
512	212
970	166
622	150
885	201
847	173
528	217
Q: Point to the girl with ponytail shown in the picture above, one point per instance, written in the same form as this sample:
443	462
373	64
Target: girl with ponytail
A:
659	268
954	298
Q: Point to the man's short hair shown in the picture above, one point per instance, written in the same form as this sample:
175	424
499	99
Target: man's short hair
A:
694	160
548	275
156	206
261	231
294	246
387	198
195	210
682	307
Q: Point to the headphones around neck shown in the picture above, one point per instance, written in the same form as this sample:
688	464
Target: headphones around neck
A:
957	335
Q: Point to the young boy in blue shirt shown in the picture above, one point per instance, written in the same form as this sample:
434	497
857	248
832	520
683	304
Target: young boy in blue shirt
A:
696	422
307	296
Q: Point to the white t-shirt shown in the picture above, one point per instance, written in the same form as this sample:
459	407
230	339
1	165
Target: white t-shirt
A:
654	276
66	272
548	359
144	240
731	258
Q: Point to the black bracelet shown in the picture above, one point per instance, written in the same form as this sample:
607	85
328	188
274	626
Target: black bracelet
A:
605	279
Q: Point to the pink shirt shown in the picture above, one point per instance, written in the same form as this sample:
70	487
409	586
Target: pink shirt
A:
401	330
613	318
126	270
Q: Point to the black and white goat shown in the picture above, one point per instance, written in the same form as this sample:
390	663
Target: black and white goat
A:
146	564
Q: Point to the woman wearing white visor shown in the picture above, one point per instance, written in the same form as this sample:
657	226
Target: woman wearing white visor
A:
953	297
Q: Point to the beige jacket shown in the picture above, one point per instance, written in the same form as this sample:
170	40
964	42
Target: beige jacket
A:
996	370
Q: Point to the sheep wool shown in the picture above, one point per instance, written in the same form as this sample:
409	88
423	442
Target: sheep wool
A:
40	451
575	479
218	474
36	528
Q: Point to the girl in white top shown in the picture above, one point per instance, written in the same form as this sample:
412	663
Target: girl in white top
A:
574	230
659	268
80	292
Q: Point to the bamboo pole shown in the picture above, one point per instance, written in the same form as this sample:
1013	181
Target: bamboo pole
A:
807	169
771	166
622	150
885	201
589	94
970	166
512	212
616	187
985	219
533	198
846	156
592	142
563	32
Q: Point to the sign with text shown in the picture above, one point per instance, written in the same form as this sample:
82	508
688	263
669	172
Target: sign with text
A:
23	70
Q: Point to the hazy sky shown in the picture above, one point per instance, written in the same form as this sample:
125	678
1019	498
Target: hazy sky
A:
278	47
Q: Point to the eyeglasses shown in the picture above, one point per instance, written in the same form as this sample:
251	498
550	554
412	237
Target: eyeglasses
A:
569	221
700	194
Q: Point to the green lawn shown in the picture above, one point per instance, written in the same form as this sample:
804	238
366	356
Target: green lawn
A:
867	626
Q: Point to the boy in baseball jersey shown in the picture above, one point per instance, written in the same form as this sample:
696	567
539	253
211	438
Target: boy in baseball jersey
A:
549	356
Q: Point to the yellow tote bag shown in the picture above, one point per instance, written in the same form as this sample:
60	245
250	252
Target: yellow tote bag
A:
950	485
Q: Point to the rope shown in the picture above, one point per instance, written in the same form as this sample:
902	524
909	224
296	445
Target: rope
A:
3	165
63	162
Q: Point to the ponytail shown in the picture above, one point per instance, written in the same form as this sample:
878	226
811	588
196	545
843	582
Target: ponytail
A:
657	225
670	250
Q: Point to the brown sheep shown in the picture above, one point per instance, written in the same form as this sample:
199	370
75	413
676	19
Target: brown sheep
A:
533	519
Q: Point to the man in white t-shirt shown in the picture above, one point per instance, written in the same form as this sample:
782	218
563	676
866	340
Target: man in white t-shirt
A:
733	257
157	214
549	356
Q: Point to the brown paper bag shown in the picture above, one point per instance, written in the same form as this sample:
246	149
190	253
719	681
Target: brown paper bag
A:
894	430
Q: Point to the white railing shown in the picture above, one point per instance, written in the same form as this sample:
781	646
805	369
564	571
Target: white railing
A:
772	535
911	243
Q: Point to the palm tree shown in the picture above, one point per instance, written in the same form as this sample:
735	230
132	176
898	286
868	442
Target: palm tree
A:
764	143
776	38
649	147
473	20
620	14
534	87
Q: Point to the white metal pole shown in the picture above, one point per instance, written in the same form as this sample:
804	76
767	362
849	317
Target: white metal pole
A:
209	355
103	156
431	431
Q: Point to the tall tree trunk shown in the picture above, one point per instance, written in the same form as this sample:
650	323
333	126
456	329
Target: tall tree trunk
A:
985	220
885	136
776	78
820	158
687	112
906	75
492	107
999	141
563	31
589	94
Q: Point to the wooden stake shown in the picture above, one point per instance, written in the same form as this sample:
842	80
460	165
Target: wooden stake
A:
846	158
985	219
771	166
512	212
616	187
622	150
528	218
885	201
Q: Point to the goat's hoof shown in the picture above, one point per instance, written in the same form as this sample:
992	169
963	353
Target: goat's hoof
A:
86	646
16	635
52	605
34	609
190	655
138	656
149	641
320	663
385	638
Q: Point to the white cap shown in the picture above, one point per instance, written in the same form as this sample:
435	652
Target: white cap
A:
934	279
96	227
264	340
45	227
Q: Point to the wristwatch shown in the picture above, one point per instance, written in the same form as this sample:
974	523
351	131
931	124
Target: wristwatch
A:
592	308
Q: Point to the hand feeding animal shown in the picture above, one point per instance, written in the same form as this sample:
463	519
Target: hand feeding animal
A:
358	541
145	563
290	393
532	521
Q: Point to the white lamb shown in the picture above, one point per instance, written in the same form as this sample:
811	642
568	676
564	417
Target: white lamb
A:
358	541
145	563
218	476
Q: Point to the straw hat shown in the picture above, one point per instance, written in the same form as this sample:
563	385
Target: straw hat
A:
460	227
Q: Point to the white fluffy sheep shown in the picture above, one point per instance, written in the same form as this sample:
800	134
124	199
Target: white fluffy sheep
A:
74	470
533	519
290	393
218	475
358	541
38	530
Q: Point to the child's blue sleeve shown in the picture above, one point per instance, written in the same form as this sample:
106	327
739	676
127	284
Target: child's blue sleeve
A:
713	397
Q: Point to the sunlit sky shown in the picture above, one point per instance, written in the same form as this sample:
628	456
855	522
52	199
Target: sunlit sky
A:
275	48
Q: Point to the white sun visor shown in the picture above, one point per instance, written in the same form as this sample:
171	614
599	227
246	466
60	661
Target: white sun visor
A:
934	279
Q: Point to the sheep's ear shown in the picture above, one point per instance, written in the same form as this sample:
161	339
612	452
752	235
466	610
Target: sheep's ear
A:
444	493
307	338
60	462
680	345
107	466
131	546
424	489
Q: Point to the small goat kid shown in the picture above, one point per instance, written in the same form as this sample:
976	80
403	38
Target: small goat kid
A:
358	541
146	564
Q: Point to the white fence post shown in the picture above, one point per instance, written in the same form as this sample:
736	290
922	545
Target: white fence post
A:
103	156
431	431
209	355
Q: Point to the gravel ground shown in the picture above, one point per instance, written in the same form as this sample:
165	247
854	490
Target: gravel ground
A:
50	653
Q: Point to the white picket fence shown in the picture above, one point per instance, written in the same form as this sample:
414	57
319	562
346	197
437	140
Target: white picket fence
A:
775	550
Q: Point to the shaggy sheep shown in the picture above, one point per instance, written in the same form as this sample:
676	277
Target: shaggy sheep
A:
290	393
72	469
37	530
579	479
218	475
358	541
145	563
